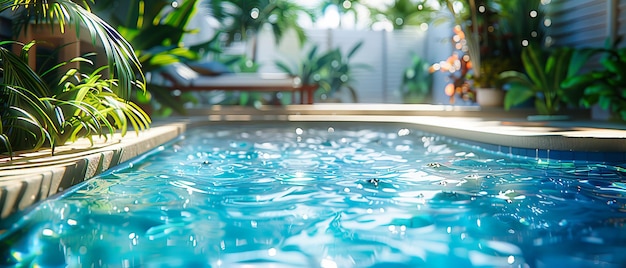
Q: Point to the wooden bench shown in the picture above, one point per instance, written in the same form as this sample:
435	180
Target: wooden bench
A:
182	77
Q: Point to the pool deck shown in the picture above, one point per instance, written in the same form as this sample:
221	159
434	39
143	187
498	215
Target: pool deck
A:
34	176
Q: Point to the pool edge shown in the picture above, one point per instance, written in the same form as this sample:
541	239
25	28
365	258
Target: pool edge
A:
34	177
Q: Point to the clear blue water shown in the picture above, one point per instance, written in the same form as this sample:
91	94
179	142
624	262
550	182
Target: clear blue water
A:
329	195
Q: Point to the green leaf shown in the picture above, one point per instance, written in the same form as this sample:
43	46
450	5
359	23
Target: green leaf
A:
535	65
158	35
598	89
354	49
517	94
37	108
181	15
516	77
16	72
123	62
580	81
541	107
562	58
579	59
5	141
31	119
283	67
614	66
313	52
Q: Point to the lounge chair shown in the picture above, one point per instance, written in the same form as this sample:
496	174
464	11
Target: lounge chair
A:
182	77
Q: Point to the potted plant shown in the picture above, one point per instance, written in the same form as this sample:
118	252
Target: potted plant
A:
329	71
488	86
490	35
606	86
309	69
545	72
337	75
478	44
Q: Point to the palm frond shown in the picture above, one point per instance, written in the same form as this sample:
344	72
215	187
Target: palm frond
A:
23	127
120	55
34	107
5	141
17	72
94	98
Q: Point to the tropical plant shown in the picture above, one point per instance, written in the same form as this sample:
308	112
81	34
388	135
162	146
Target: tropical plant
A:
155	29
330	71
605	86
78	105
494	30
490	72
520	23
338	74
545	72
416	81
63	13
309	68
47	107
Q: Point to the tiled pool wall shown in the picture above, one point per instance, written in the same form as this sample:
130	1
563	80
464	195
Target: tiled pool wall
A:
548	154
577	156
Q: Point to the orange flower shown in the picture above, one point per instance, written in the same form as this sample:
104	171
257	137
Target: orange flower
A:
459	31
450	89
432	69
452	59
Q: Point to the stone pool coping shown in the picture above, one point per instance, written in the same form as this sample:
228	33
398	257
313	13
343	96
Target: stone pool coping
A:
32	177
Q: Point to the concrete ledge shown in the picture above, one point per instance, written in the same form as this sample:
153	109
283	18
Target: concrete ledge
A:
32	177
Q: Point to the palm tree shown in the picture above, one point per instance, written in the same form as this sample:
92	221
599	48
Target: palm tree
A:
155	29
404	12
244	19
343	7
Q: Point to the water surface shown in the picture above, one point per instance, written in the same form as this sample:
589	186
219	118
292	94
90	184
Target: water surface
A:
329	195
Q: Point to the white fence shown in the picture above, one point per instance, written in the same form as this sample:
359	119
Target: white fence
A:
386	53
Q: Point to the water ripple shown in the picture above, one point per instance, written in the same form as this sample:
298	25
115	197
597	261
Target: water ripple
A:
327	196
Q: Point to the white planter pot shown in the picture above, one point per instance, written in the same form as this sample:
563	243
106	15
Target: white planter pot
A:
489	97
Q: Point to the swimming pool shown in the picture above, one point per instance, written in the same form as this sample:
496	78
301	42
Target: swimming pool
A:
329	195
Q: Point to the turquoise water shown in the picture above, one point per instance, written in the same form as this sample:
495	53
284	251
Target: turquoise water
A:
329	195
